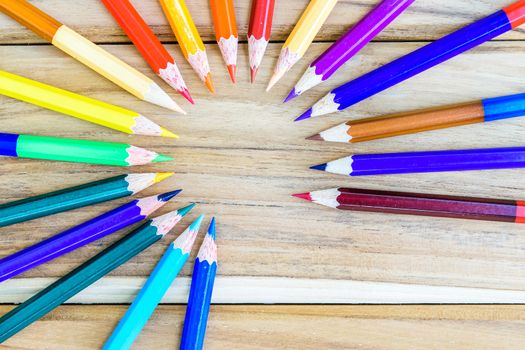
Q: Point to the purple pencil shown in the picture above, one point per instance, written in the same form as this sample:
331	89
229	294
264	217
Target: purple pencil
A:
425	162
349	44
80	235
419	60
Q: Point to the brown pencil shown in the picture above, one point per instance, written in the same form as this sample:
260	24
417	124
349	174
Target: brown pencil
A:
428	119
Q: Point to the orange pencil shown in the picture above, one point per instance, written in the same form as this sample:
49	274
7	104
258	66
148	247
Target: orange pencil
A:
226	32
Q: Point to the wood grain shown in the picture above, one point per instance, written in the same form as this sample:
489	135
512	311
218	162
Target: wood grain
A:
240	157
424	20
290	327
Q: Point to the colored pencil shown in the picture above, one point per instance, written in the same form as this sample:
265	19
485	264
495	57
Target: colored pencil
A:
200	293
93	56
72	150
426	162
301	37
225	26
153	290
188	38
486	110
349	44
79	106
419	60
88	273
77	197
419	204
148	44
81	235
259	32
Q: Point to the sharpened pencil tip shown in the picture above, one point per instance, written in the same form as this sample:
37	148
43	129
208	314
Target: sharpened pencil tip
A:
274	79
290	96
305	115
162	158
232	69
305	196
211	228
209	83
161	176
321	167
186	209
195	225
167	133
253	74
316	137
186	94
168	195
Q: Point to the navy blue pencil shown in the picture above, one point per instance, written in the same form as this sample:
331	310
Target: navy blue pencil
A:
200	293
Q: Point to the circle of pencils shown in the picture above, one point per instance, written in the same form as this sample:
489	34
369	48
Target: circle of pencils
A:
301	37
154	289
79	106
71	150
88	53
426	162
148	45
487	110
418	204
349	44
88	273
80	235
188	38
201	290
226	32
259	31
77	197
418	61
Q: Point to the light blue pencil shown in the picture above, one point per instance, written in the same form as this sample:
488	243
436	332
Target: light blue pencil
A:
153	290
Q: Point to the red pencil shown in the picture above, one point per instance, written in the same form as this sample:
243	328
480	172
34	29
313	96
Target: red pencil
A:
419	204
259	32
148	44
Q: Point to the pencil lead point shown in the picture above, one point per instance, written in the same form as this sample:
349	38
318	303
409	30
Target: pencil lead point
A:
161	176
186	94
209	83
211	228
162	158
290	96
166	133
168	195
305	196
316	137
274	79
195	225
321	167
253	74
305	115
232	69
186	209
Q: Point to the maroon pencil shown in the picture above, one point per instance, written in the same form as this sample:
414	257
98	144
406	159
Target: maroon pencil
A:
419	204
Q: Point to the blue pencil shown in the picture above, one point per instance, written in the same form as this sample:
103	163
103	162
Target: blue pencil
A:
200	293
154	289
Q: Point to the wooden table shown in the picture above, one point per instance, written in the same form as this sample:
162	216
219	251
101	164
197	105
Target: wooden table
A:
240	157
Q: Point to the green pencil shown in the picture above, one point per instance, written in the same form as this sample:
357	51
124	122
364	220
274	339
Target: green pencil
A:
72	150
88	273
77	197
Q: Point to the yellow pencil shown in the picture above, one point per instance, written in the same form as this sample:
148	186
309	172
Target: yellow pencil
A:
188	38
301	37
79	106
88	53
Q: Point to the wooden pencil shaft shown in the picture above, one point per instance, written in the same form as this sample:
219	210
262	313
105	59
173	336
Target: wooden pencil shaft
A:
423	120
31	17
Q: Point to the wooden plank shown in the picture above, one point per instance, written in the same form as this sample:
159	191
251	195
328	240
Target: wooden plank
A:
240	157
290	327
426	19
272	290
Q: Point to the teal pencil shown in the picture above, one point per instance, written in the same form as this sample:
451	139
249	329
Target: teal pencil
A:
153	290
88	273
